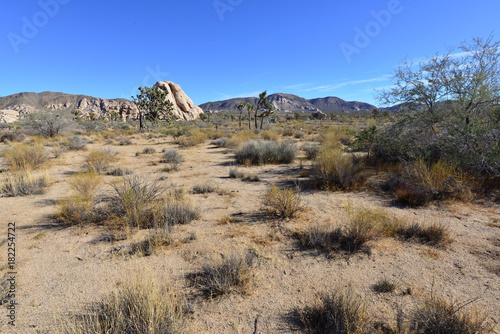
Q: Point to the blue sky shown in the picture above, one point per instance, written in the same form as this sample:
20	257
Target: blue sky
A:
219	49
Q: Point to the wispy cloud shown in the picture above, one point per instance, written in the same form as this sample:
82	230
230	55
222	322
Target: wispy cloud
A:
331	87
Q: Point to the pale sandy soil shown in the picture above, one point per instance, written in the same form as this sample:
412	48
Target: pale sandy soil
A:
64	269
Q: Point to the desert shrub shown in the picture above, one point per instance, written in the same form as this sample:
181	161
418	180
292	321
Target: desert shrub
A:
157	238
311	151
434	234
75	143
138	306
341	311
119	171
230	275
363	225
8	135
250	178
384	286
221	142
422	183
234	173
139	202
336	170
285	203
173	158
148	150
298	135
179	212
266	152
99	160
439	316
23	157
86	183
204	189
23	184
46	124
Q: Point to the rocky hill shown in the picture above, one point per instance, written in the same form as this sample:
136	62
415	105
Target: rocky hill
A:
289	103
24	103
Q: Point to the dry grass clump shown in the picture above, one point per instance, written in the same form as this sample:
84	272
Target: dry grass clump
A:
384	286
234	173
341	311
138	306
283	202
23	184
422	183
79	208
336	170
363	225
172	158
194	137
157	238
119	171
439	316
232	275
179	212
24	157
99	160
204	189
261	152
434	234
269	135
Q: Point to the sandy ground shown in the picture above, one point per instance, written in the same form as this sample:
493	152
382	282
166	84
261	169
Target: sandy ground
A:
64	269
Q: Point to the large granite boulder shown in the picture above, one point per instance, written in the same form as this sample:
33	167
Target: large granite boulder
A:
184	108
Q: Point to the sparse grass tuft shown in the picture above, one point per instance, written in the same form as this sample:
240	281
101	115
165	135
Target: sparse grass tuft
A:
437	315
148	150
99	160
75	143
194	137
341	311
436	235
234	173
120	172
138	306
204	189
23	184
285	203
179	212
384	286
157	238
24	157
231	275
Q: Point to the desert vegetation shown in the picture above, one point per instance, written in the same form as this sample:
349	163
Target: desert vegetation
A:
356	223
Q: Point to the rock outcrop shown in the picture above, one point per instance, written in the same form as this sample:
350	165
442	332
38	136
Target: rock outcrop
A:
184	108
93	107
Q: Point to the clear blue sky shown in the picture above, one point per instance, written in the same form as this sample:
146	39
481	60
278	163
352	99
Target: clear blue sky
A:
218	49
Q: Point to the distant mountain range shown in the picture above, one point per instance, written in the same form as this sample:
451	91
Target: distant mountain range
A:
288	103
23	103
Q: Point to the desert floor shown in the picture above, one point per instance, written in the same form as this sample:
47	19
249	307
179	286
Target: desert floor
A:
63	269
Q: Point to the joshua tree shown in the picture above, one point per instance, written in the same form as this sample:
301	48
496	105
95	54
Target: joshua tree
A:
266	109
153	105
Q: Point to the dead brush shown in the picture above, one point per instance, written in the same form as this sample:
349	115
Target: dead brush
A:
157	238
341	311
140	305
283	202
23	157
